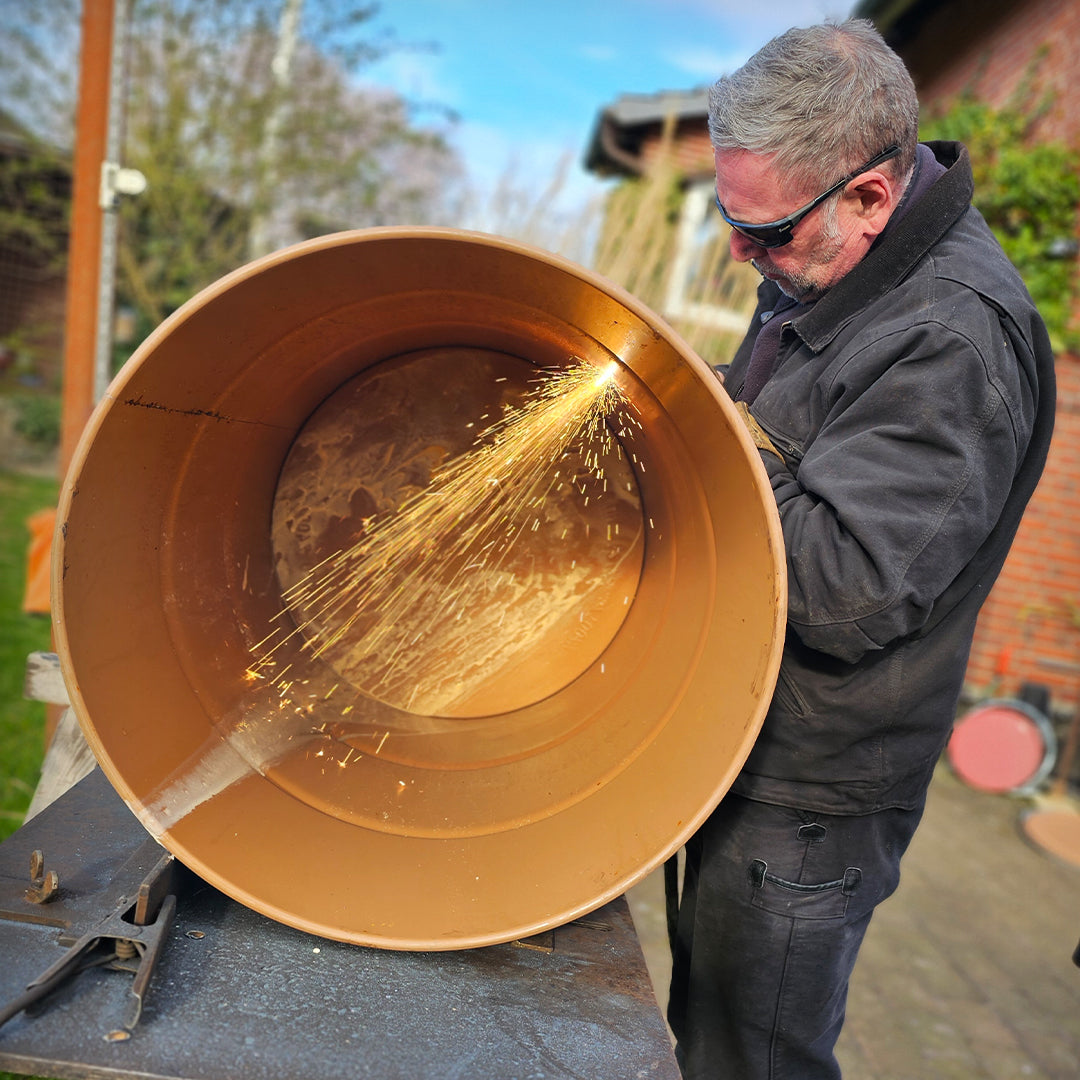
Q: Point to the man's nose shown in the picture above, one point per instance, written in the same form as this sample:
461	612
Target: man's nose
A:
743	249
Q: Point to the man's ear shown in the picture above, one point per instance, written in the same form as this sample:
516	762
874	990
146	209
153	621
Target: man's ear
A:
873	199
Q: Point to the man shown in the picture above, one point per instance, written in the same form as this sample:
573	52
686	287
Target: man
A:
899	383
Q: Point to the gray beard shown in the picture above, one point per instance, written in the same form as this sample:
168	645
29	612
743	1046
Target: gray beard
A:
798	287
803	287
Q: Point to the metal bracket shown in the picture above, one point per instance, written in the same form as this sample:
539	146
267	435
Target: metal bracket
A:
117	181
43	886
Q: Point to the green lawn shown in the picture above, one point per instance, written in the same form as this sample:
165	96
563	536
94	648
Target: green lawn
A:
22	722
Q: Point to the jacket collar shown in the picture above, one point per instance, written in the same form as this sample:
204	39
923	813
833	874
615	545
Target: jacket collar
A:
887	264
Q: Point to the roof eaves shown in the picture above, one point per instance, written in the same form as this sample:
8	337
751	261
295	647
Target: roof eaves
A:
604	153
632	109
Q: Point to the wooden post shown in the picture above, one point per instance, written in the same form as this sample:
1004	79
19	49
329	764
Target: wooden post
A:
84	251
84	246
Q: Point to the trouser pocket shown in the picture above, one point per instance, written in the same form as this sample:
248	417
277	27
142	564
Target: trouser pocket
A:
828	900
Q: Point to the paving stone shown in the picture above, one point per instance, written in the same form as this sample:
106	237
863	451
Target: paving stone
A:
966	972
972	953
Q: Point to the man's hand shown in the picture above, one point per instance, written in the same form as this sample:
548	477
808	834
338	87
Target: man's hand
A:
761	440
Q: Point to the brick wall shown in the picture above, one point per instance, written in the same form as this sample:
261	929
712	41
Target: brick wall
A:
1029	630
989	46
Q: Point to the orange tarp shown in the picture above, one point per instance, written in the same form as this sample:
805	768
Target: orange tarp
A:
39	557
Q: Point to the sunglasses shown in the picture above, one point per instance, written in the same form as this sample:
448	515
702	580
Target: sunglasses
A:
771	234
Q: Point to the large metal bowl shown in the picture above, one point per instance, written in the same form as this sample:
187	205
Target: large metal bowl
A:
529	768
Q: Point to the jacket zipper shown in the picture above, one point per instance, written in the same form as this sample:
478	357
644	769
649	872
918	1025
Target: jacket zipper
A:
789	449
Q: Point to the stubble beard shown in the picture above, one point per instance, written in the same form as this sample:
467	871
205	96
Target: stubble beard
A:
806	284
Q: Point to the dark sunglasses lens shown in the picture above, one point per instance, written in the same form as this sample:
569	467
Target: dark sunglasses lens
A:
766	237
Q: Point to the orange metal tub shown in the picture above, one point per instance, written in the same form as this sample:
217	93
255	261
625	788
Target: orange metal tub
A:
508	770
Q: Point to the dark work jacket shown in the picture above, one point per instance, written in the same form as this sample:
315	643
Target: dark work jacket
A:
913	406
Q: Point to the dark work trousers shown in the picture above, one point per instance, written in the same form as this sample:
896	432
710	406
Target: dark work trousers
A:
775	903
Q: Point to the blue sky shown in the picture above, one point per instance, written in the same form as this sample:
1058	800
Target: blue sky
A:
528	78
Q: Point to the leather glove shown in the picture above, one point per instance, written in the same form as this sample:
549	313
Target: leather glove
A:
761	440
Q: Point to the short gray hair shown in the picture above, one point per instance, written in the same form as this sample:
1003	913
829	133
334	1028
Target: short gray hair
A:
823	99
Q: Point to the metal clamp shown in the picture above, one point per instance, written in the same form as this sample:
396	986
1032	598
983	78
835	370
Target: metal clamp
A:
128	939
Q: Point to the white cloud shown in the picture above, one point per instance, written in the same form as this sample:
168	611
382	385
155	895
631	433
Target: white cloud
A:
600	53
492	156
703	63
771	18
525	188
417	75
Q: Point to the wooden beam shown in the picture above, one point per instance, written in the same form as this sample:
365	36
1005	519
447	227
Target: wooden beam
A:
84	251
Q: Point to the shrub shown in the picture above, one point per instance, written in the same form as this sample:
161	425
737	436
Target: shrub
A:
37	419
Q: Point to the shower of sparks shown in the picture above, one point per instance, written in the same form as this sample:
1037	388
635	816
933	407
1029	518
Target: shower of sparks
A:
437	552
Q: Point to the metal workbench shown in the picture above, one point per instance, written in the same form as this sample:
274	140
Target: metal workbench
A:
235	994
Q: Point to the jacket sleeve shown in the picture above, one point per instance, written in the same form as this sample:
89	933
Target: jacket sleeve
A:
898	485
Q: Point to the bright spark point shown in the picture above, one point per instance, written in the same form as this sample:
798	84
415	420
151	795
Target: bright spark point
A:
605	375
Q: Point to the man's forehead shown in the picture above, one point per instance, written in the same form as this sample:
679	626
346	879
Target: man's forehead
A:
750	182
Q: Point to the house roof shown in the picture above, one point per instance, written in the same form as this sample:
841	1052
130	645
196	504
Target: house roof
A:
631	109
615	144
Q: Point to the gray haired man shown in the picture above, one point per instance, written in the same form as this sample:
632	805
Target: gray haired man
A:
900	385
